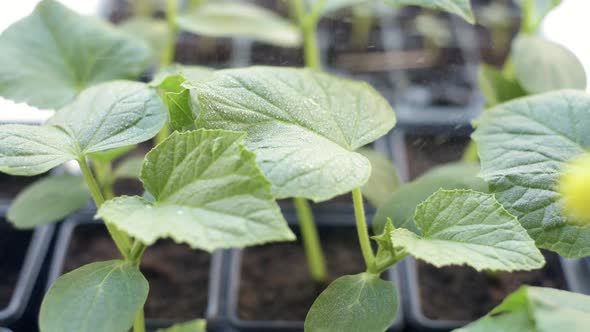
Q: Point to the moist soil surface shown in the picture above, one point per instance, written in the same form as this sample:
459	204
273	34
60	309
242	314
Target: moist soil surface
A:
178	276
13	248
275	282
461	293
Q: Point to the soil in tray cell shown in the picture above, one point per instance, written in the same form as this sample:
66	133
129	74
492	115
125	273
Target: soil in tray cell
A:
13	249
461	293
178	276
275	282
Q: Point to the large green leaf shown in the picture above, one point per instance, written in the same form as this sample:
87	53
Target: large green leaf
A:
97	297
467	227
383	180
496	87
457	7
234	19
198	325
541	66
209	194
401	204
304	126
536	309
361	302
50	56
106	116
523	146
48	200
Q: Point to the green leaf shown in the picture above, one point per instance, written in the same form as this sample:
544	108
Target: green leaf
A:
173	82
401	204
523	146
103	296
198	325
129	169
457	7
496	87
48	200
209	194
50	56
304	126
240	20
361	302
383	180
154	32
536	309
467	227
541	66
103	117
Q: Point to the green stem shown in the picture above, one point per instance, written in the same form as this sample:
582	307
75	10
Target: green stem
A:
170	51
139	324
528	24
136	252
311	240
361	228
121	239
308	22
104	176
163	134
470	153
362	22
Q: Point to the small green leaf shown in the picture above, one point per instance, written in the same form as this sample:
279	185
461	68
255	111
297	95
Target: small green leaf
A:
50	56
542	66
361	302
129	169
496	87
401	204
383	180
190	73
304	126
240	20
457	7
106	116
466	227
536	309
524	145
198	325
97	297
48	200
209	194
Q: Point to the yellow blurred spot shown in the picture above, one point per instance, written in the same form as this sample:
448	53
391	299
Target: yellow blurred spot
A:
574	185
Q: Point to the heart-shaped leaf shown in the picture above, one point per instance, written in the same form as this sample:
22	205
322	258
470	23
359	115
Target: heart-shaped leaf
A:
50	56
103	117
542	66
361	302
523	146
536	309
48	200
236	19
304	126
209	193
467	227
401	204
97	297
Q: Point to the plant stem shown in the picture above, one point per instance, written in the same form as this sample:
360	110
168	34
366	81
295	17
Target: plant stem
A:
470	153
104	176
121	239
170	51
362	23
139	324
311	240
361	228
528	24
308	22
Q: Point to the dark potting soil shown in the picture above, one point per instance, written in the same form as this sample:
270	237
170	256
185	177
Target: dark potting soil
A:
426	152
275	282
178	276
461	293
13	249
